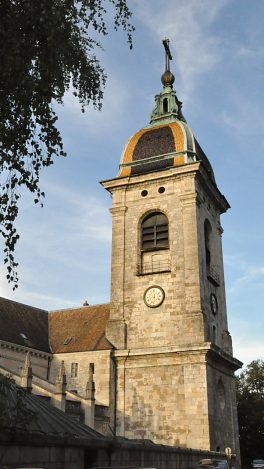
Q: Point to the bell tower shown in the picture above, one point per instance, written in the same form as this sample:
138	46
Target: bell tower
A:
168	319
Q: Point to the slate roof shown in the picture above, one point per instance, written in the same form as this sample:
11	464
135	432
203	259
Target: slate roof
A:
24	325
45	420
202	157
79	329
69	330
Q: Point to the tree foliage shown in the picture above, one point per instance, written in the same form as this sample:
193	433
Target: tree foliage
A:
13	412
250	397
46	47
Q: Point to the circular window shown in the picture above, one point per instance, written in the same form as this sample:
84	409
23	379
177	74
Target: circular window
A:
144	193
213	303
161	189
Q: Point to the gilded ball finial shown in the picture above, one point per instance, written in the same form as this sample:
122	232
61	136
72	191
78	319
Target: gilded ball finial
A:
167	78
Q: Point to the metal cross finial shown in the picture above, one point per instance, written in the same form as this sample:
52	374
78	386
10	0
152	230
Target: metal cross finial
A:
168	55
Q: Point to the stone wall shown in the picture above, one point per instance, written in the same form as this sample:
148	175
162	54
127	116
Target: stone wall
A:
223	410
179	320
144	454
44	458
102	372
59	453
212	276
162	356
162	396
185	316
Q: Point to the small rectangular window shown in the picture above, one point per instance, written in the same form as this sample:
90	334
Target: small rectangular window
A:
74	370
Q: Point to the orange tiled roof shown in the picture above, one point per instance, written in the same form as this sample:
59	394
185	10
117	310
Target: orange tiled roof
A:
79	329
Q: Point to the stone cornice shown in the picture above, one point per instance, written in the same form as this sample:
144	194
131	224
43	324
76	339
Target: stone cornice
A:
112	184
195	169
216	354
162	351
207	351
117	210
24	349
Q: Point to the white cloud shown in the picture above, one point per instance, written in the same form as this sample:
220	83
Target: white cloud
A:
246	349
86	218
5	288
186	23
96	122
230	120
246	274
249	276
248	52
72	233
244	293
243	117
30	296
79	217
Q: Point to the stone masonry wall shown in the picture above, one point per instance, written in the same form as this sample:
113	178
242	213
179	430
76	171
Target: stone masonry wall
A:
162	397
102	367
206	210
223	411
163	384
179	319
44	456
114	453
146	454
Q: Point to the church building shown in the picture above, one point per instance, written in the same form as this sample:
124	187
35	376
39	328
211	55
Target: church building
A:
157	362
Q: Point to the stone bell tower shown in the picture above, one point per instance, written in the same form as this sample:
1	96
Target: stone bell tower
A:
168	320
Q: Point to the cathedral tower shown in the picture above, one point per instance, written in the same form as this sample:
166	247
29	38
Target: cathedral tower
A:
168	320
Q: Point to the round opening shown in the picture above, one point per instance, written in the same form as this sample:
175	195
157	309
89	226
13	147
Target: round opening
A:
144	193
161	190
213	303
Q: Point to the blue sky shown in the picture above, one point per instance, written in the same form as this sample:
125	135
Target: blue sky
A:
218	62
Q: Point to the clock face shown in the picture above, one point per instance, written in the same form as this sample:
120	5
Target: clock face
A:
154	296
214	304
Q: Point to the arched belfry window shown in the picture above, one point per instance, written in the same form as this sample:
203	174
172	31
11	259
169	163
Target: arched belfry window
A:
207	240
210	254
165	105
154	232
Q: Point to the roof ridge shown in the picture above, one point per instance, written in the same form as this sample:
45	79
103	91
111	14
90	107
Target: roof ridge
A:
77	307
23	304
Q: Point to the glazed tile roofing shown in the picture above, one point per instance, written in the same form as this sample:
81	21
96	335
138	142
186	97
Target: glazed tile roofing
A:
69	330
152	143
155	142
79	329
162	146
24	325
